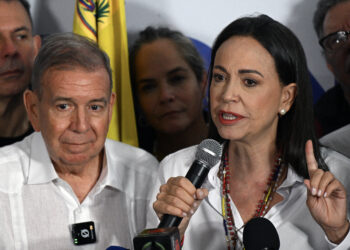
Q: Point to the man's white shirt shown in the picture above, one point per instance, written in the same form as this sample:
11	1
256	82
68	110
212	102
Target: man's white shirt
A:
37	208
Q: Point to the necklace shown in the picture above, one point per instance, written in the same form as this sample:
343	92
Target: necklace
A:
231	232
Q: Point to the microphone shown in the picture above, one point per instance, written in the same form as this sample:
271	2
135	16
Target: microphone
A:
208	154
167	236
260	234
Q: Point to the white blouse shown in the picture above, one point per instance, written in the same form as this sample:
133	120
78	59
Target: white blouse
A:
291	217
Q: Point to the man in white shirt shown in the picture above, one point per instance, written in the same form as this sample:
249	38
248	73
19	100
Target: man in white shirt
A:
66	186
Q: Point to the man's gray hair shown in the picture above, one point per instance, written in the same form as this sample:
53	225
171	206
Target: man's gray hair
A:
323	7
67	51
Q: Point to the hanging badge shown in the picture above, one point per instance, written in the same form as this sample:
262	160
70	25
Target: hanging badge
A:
83	233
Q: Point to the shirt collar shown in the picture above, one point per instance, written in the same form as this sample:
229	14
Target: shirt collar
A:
41	169
292	178
110	175
212	180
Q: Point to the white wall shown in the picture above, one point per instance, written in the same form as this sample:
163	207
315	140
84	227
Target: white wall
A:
200	19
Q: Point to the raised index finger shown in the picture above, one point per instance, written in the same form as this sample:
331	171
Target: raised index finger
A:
310	157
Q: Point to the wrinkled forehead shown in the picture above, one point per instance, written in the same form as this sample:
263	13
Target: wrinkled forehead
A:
73	78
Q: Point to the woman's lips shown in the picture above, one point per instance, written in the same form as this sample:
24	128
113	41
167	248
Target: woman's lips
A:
170	113
228	118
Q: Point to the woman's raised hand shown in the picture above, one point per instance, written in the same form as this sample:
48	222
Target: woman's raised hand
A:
180	198
326	199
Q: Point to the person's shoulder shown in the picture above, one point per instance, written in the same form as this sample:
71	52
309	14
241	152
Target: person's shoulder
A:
120	151
338	140
136	169
14	159
337	134
14	152
131	160
178	163
184	154
338	164
330	156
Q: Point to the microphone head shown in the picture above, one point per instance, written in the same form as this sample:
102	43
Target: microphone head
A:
209	151
259	233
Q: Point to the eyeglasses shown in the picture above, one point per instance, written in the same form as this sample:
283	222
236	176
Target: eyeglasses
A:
334	41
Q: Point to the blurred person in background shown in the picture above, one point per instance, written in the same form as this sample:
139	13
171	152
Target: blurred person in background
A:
18	48
169	84
332	25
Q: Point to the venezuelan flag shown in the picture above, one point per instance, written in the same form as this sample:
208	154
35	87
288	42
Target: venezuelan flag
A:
104	22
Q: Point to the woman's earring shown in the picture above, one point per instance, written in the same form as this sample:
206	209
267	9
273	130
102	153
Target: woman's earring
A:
282	112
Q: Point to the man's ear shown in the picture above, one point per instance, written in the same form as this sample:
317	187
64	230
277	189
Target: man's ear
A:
31	103
289	93
112	100
36	44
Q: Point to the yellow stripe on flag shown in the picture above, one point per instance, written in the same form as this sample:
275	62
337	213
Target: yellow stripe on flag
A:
104	22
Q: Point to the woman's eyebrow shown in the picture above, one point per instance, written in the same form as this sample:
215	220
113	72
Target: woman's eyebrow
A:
245	71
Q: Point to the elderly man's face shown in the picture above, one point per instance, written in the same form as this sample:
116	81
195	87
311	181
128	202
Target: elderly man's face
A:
17	48
338	18
73	114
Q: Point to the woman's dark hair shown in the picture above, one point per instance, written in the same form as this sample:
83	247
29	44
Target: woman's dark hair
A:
187	51
296	126
183	45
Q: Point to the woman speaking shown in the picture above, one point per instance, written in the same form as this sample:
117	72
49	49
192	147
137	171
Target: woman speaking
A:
272	165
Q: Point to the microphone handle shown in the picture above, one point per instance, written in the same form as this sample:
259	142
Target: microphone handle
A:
197	174
169	221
